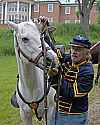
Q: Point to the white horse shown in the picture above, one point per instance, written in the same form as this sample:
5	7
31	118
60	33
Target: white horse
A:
30	87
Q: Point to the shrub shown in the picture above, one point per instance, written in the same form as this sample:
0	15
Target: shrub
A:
63	35
65	32
6	42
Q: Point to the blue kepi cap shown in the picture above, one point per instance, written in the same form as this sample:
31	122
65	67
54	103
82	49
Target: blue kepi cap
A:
80	41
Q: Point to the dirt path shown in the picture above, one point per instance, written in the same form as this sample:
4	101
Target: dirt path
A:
94	110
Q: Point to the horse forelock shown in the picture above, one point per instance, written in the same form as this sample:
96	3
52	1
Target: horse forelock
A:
28	30
27	27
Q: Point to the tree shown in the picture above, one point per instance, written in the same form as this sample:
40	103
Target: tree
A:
85	7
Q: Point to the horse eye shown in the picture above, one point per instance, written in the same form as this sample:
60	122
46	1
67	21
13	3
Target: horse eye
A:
25	39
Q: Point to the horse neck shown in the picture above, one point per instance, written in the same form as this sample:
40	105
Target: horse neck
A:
31	80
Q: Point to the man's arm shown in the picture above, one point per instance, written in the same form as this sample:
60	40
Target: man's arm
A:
84	82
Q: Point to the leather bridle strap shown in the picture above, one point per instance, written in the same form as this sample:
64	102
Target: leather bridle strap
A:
38	101
30	104
35	61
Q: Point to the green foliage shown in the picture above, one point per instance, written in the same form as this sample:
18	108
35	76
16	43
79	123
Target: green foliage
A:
6	42
63	35
98	18
65	32
95	32
98	5
98	12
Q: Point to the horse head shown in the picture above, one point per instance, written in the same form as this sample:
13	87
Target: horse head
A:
28	42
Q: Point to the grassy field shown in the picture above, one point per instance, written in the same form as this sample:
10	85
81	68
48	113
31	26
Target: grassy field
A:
6	42
8	115
8	72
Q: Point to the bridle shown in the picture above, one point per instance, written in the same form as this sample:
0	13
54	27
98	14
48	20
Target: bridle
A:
33	104
34	61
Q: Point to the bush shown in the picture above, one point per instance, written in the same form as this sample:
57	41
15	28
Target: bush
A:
65	32
63	35
6	42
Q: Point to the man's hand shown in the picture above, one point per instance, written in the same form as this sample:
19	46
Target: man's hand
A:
52	71
43	20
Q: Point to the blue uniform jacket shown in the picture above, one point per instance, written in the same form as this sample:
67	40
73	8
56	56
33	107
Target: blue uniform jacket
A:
77	81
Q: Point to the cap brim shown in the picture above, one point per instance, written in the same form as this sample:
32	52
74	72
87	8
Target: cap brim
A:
77	45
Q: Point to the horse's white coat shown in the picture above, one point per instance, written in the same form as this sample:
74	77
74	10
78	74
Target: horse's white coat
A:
31	79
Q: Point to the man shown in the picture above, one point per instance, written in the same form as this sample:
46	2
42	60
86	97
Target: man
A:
77	81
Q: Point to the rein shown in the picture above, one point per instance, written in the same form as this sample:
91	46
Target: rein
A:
45	77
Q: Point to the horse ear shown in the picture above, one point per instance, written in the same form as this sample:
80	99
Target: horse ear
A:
12	25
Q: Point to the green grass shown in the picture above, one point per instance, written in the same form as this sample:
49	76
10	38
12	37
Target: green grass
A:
8	114
6	42
8	71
